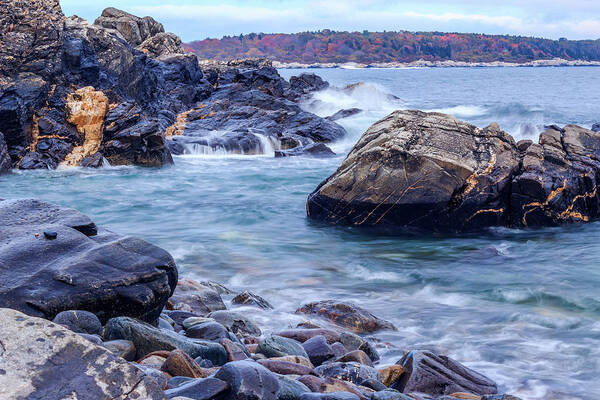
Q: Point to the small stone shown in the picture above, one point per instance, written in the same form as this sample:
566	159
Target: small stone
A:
79	321
358	356
191	321
389	375
290	389
352	341
278	346
96	339
318	350
177	381
249	380
154	374
236	323
329	396
247	298
50	235
465	396
295	359
302	335
235	351
390	394
180	363
200	298
339	349
122	348
373	384
286	367
199	389
312	382
346	315
350	372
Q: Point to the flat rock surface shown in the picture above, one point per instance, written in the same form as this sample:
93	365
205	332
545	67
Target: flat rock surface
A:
83	268
41	360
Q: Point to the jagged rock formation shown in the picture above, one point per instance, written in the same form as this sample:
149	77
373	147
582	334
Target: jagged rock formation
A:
54	259
147	80
430	171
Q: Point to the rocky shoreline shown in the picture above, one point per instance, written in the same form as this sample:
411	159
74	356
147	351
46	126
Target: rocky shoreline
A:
556	62
83	326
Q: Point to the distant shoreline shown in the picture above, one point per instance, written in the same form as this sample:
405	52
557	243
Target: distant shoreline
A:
556	62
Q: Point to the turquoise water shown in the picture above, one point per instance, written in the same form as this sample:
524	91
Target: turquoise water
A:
522	306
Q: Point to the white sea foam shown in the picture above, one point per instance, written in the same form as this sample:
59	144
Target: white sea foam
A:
463	111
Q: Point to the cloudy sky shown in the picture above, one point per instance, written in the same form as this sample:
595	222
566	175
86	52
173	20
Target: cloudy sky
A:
574	19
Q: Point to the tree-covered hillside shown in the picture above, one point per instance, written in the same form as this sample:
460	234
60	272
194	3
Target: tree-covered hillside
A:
379	47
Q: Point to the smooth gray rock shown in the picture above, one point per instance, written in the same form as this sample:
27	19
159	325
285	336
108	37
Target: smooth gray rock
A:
278	346
42	360
84	268
318	350
236	323
79	321
148	338
290	389
208	331
199	389
249	380
350	371
197	297
428	373
354	342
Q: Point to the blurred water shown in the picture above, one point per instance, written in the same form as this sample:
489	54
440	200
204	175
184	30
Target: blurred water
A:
522	306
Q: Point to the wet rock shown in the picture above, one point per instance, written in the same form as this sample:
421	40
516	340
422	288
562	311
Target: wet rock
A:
302	335
180	363
389	375
177	381
350	372
290	389
286	367
85	268
147	339
200	389
319	150
390	394
445	175
278	346
312	382
192	321
236	323
5	161
247	298
201	299
59	363
318	350
121	348
346	315
179	316
373	384
79	321
248	380
163	323
295	359
428	373
329	396
306	83
499	397
236	351
333	385
154	374
344	114
96	160
209	330
596	127
339	349
355	342
358	356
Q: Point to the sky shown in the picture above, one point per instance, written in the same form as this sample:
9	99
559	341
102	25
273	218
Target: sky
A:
200	19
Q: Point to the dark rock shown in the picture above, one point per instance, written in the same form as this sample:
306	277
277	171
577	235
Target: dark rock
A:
50	235
294	359
312	382
177	381
306	83
200	389
153	374
344	114
389	375
85	268
164	324
209	330
358	356
278	346
161	44
79	321
199	298
5	162
354	342
122	348
134	29
290	389
249	380
236	323
350	372
247	298
329	396
96	160
499	397
440	375
180	363
302	335
446	175
318	350
286	367
373	384
43	360
339	349
147	339
596	127
96	339
346	315
390	394
312	150
236	351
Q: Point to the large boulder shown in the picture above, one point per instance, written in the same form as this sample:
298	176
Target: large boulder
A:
425	372
54	259
43	360
417	170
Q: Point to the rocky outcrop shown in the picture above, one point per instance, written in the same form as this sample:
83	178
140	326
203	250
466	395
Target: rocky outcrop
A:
54	259
42	360
430	171
133	29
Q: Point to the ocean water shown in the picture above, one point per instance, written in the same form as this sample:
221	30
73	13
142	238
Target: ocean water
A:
521	306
